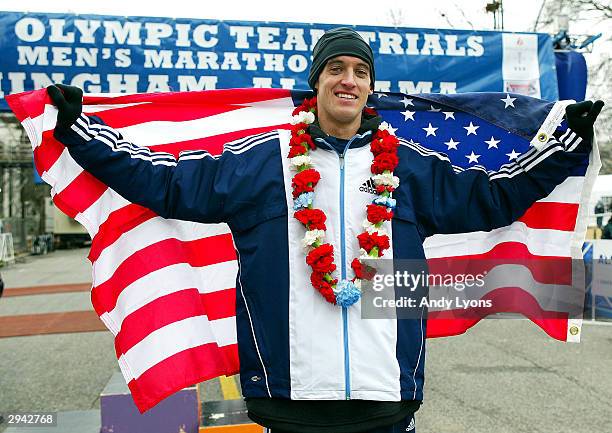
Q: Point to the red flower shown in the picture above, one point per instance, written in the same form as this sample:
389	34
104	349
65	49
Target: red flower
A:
367	241
324	287
305	181
321	259
388	143
377	213
298	127
382	188
384	161
297	140
314	219
363	272
306	105
297	150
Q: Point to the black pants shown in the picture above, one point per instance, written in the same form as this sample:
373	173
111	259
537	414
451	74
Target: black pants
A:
407	425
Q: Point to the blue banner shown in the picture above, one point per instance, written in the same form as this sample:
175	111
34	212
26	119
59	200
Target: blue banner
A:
142	54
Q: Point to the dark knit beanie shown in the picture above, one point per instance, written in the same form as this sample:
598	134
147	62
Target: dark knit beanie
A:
341	41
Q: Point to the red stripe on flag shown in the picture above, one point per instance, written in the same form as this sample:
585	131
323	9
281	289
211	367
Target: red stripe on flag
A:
197	253
213	144
171	308
117	223
504	300
28	104
183	369
80	194
48	152
551	215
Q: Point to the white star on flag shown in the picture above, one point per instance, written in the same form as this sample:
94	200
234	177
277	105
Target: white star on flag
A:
434	110
449	115
471	129
406	102
512	155
492	143
430	130
452	144
381	95
408	115
508	101
472	157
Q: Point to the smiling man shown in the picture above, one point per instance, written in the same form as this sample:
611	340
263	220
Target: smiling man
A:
308	361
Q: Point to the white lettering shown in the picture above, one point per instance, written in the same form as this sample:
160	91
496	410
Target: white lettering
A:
287	83
188	82
61	56
86	56
382	86
262	82
295	40
241	34
57	32
230	61
122	83
158	83
451	46
42	80
158	59
90	83
87	29
185	60
475	47
410	87
156	32
266	38
29	29
122	57
182	32
448	87
297	63
274	62
33	55
199	36
413	41
432	45
208	60
17	80
118	33
251	59
390	43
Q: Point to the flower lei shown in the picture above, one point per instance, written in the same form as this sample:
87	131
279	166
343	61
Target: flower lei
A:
374	240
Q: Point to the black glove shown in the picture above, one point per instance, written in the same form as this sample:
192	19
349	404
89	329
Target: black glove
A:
581	117
69	103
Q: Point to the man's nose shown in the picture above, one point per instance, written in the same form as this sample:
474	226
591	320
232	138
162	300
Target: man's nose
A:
349	79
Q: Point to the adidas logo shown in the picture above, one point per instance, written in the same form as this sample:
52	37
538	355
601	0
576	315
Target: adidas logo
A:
368	186
411	425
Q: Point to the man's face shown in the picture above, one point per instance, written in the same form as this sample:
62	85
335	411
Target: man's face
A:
342	89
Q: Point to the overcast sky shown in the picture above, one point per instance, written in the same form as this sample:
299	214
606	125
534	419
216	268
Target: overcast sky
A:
461	14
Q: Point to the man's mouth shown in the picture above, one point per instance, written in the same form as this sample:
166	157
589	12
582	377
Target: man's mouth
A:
345	95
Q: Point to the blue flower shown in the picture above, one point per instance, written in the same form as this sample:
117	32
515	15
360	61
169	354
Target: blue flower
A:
385	201
303	200
347	293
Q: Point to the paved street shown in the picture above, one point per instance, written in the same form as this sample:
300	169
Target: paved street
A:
502	376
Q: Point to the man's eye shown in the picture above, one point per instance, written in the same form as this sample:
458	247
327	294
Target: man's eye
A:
362	73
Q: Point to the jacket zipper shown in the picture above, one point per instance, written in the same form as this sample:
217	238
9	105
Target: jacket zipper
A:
347	363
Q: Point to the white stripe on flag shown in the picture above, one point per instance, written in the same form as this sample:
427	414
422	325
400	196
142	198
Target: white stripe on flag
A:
539	241
148	233
260	114
62	172
566	192
172	279
95	215
176	337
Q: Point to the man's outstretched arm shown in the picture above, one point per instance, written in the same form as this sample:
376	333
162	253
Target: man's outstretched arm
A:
194	187
450	200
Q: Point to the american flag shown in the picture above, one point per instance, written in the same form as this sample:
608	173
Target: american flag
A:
166	288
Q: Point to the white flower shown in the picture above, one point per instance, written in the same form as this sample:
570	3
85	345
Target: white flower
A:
312	236
371	228
357	283
385	126
300	160
386	179
303	117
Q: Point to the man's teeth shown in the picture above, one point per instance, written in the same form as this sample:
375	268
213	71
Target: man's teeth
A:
346	96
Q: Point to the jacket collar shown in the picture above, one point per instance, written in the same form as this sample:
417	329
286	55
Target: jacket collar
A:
369	125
